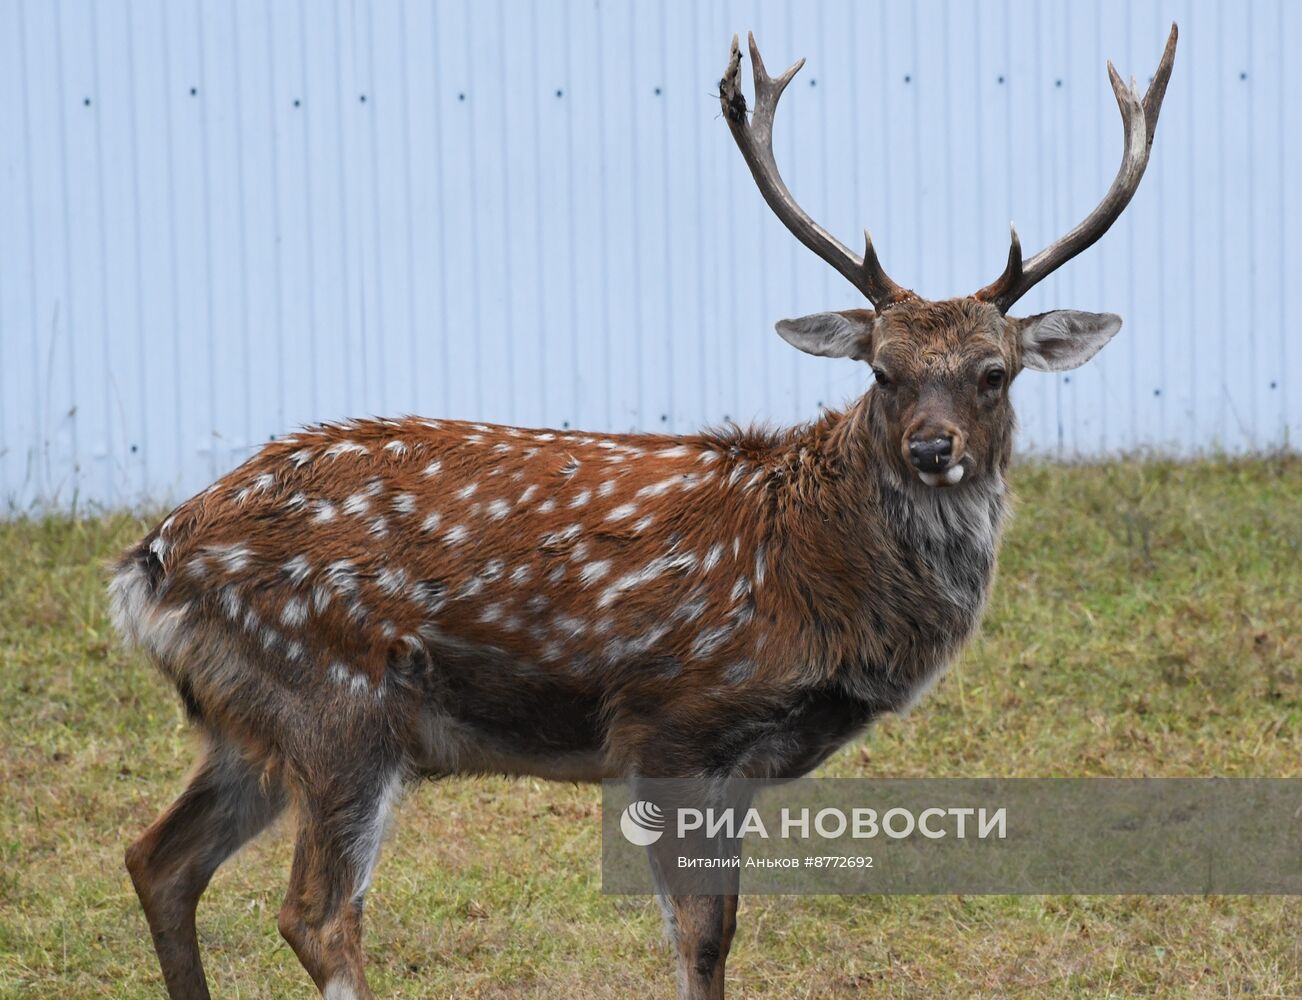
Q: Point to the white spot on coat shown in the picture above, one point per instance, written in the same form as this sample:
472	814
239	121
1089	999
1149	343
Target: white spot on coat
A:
231	603
341	577
656	489
622	511
233	558
712	557
656	567
358	503
470	588
594	571
294	613
346	448
571	627
391	580
710	640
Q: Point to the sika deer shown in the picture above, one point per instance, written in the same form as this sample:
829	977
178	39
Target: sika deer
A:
367	603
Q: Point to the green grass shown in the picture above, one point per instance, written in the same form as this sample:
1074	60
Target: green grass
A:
1145	622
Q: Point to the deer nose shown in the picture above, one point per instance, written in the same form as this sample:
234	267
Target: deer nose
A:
931	454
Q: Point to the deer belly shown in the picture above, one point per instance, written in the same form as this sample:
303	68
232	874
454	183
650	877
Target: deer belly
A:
490	721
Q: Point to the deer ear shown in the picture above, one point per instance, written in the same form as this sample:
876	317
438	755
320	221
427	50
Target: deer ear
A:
1064	339
845	334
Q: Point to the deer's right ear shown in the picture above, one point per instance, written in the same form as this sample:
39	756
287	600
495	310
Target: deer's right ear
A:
845	334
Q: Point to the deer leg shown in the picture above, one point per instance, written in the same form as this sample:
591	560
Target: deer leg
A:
701	924
338	844
702	929
227	802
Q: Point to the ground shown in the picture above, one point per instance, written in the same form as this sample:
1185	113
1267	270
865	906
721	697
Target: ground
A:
1145	622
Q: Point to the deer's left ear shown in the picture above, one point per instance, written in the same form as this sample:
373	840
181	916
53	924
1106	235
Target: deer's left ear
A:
1065	338
846	334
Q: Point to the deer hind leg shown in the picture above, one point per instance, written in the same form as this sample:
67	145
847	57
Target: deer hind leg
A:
228	801
339	837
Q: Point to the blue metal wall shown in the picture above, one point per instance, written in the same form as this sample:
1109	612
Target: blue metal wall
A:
221	219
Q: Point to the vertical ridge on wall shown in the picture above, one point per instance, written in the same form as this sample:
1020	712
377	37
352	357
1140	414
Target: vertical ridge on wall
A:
221	221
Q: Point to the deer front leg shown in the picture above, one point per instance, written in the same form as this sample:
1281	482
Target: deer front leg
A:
702	928
700	910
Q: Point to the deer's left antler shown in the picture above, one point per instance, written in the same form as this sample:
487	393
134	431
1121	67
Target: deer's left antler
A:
1139	120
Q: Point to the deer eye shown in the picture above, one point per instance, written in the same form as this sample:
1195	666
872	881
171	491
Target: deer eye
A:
882	378
994	378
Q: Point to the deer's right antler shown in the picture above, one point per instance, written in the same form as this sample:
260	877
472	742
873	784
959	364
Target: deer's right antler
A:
755	140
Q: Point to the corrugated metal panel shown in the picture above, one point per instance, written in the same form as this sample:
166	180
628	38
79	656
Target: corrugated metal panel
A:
219	220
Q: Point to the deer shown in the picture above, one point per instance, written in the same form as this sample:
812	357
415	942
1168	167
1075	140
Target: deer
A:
365	604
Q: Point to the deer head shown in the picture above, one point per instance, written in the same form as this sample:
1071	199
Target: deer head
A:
943	368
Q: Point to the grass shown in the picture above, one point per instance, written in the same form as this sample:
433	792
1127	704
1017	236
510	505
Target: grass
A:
1146	622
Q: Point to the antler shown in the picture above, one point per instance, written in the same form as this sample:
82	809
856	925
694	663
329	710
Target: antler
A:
1139	119
755	140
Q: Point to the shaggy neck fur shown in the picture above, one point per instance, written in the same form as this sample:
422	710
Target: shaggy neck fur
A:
895	573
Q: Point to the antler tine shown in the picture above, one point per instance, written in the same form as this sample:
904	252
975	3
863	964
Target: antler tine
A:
1157	89
754	137
768	90
876	285
1139	123
1005	284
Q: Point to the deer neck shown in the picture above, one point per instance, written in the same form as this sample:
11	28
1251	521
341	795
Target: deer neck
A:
917	561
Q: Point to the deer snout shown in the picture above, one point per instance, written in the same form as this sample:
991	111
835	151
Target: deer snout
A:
931	454
935	450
